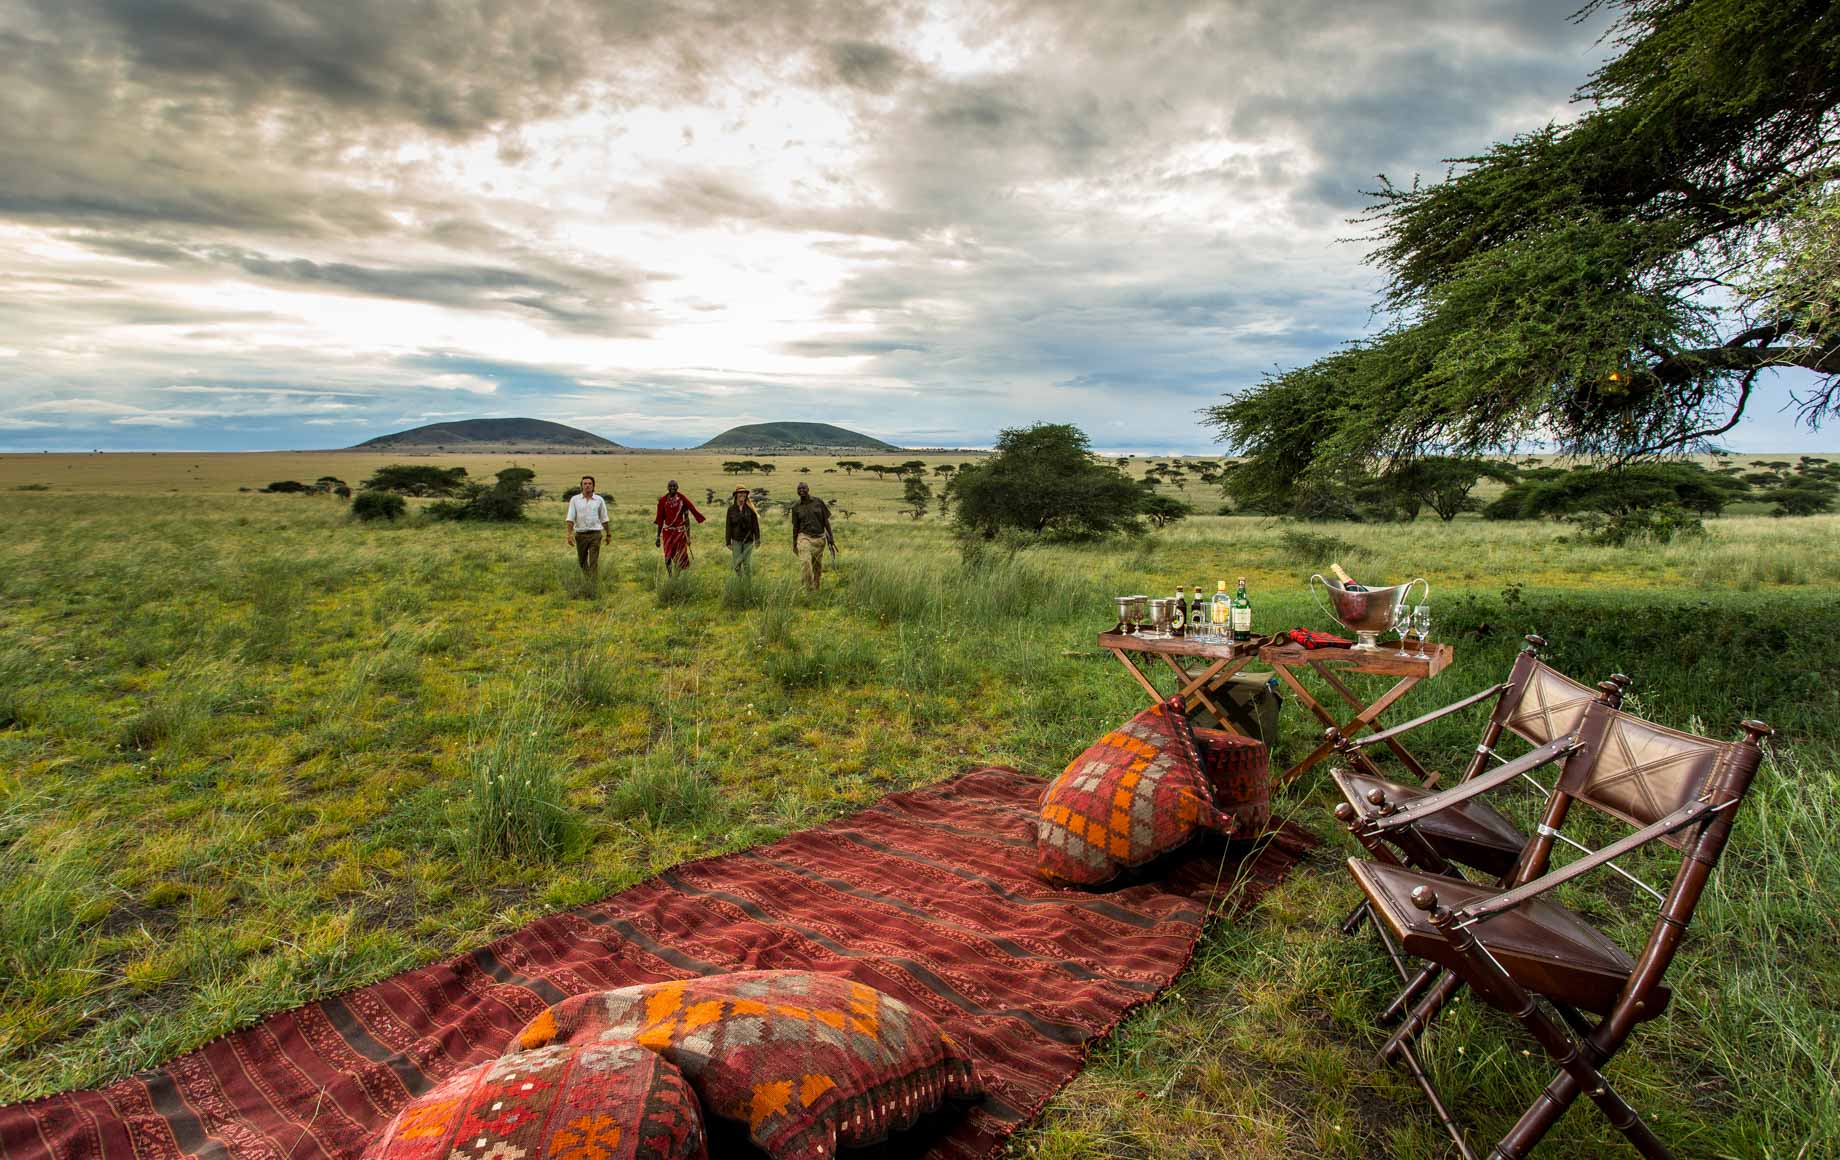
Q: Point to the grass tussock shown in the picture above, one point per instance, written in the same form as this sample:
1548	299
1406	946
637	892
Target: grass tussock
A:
667	793
515	807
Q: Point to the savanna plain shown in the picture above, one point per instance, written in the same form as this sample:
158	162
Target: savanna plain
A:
253	752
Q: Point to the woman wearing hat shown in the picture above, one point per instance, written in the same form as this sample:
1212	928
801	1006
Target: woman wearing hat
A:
743	531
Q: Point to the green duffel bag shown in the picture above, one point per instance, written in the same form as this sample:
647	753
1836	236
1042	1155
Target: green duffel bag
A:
1251	702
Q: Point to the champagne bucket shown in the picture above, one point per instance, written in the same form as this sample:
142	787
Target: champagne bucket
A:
1369	613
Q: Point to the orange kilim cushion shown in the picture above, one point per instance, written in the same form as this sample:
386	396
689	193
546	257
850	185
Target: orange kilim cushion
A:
1134	794
808	1062
602	1101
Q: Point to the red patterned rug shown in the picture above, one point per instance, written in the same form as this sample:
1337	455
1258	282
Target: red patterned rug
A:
928	895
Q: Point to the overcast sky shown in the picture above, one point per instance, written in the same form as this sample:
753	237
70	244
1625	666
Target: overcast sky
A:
242	224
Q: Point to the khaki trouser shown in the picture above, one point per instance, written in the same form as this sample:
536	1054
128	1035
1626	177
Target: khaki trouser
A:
743	553
588	551
810	550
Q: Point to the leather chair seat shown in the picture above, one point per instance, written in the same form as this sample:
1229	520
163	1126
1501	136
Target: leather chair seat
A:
1469	833
1546	948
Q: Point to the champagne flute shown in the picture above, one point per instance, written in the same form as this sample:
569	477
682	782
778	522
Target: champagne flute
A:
1402	624
1421	626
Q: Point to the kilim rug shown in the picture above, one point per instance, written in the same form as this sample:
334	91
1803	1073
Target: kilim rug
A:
929	895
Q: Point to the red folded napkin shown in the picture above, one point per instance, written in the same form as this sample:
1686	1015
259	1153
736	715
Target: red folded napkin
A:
1312	639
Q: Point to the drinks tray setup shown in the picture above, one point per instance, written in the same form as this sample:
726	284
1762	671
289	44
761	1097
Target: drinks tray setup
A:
1219	631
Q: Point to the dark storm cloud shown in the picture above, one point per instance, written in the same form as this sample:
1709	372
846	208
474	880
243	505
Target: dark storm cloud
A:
575	296
1090	205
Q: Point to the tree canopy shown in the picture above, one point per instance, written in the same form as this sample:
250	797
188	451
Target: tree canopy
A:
1615	284
1044	480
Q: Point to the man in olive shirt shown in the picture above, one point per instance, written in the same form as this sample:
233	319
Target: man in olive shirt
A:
811	532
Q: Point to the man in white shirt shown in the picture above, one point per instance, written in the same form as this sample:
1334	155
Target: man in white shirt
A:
587	523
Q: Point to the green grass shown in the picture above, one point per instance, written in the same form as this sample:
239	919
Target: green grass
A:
269	753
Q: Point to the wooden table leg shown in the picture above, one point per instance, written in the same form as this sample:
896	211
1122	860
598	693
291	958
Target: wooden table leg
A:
1194	690
1397	691
1138	673
1364	719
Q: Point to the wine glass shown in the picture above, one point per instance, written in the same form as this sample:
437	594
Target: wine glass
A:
1421	626
1402	624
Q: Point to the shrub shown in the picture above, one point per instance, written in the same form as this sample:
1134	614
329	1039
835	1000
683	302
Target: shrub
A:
419	479
288	487
1312	547
1656	525
503	502
378	505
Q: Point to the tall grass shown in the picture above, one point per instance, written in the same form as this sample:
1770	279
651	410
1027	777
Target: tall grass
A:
588	676
666	792
515	805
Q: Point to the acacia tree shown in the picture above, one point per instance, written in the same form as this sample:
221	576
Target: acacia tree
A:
1043	480
1570	282
1445	482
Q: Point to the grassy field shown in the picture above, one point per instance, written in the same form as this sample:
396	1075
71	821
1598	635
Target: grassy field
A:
248	753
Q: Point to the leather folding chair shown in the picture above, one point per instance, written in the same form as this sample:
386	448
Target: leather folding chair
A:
1537	703
1510	944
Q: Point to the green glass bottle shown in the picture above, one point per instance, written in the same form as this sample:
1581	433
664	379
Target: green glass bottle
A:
1242	613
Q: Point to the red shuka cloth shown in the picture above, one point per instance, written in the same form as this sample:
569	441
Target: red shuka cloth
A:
674	529
929	896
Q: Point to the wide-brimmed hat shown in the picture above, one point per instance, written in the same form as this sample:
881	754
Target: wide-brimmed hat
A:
739	488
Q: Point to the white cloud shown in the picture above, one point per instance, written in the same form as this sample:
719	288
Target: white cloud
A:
471	384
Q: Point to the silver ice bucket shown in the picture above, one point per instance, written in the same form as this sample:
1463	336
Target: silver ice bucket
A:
1369	612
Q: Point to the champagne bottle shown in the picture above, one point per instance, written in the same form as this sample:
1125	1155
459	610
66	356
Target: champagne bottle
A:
1178	617
1348	584
1242	613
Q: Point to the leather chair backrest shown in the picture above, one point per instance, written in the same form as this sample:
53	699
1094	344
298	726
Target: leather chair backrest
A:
1639	771
1547	704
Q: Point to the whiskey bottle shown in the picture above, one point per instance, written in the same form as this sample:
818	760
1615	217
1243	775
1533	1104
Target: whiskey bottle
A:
1242	613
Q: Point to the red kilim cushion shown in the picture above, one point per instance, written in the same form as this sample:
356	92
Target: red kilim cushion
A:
1136	793
808	1062
1239	771
601	1101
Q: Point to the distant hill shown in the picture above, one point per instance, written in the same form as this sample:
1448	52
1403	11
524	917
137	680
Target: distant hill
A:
794	437
491	435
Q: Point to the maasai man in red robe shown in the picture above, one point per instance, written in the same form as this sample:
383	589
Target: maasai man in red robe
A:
673	521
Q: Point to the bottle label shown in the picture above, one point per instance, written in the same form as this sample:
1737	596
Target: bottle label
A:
1242	620
1219	614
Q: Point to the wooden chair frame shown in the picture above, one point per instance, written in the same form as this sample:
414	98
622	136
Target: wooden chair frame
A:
1557	701
1676	788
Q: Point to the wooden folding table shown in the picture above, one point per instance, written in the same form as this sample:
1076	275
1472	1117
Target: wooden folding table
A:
1225	659
1410	668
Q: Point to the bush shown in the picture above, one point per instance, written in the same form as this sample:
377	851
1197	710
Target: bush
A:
288	487
502	503
1312	548
1616	492
378	505
1656	525
418	479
